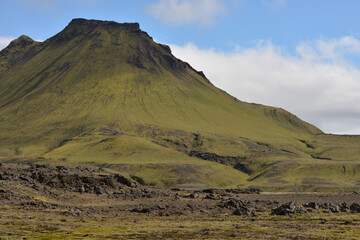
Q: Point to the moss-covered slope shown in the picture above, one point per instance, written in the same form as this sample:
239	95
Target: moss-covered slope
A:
105	93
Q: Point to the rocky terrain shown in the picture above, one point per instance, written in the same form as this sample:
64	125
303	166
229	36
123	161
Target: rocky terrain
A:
47	187
89	194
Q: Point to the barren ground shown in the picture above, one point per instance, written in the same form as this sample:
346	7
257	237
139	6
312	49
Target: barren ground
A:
44	202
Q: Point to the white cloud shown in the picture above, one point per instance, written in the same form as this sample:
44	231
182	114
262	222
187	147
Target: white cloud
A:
4	41
187	11
334	49
319	86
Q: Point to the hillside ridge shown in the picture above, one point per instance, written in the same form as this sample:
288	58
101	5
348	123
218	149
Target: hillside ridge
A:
104	93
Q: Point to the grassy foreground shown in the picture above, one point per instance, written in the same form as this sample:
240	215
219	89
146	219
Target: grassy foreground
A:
44	202
21	224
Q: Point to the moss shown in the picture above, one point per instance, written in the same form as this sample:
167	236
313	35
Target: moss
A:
101	75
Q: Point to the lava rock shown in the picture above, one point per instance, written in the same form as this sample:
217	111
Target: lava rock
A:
344	207
288	209
194	195
312	205
334	208
355	207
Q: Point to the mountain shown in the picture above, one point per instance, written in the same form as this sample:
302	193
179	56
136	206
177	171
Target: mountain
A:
104	93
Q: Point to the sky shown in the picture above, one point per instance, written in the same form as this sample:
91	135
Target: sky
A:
300	55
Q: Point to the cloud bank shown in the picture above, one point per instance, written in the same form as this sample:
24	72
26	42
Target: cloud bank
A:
187	11
319	85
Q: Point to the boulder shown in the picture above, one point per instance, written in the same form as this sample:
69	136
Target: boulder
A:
355	207
288	209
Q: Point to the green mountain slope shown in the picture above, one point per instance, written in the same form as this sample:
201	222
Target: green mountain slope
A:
105	93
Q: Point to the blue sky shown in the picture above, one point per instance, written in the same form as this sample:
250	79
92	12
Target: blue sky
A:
301	55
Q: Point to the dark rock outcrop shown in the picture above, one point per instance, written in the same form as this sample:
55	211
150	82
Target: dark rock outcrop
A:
288	209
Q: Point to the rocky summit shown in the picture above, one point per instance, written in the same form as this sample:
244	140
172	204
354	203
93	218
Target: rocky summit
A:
104	94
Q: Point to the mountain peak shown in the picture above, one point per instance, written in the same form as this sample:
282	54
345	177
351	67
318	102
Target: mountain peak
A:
95	23
90	28
15	51
106	93
21	41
